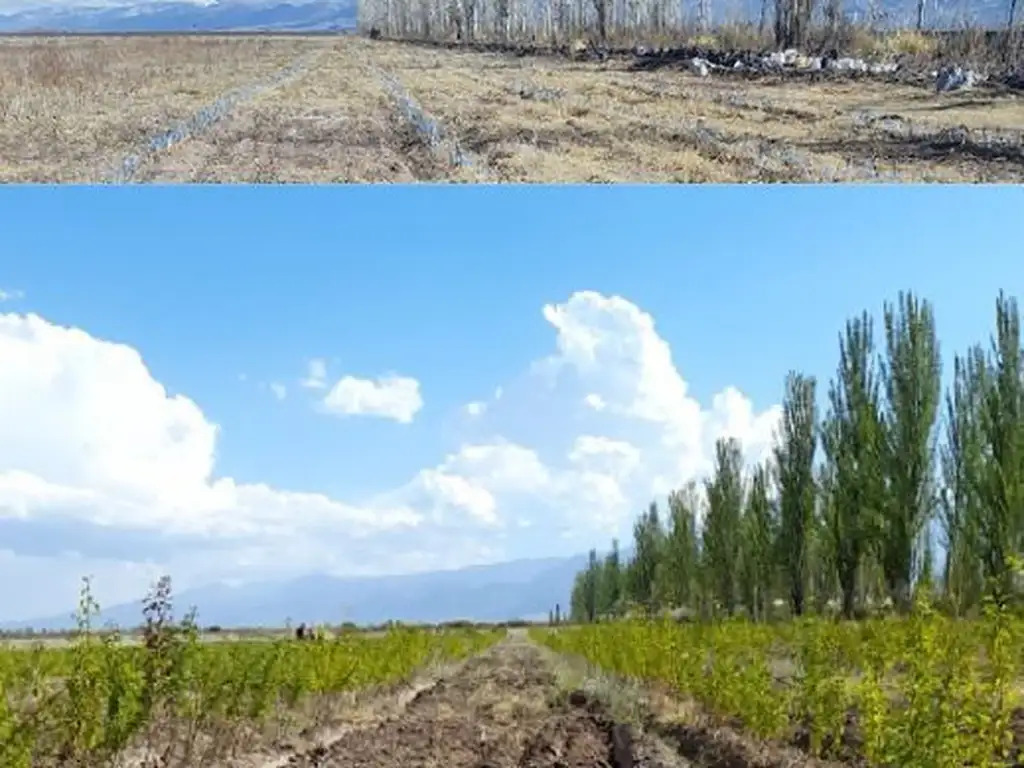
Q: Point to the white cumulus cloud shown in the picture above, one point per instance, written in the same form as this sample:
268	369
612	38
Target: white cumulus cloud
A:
389	397
88	434
611	414
99	458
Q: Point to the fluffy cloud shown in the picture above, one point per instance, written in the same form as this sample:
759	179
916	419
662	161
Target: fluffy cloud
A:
89	434
626	369
99	463
593	432
390	397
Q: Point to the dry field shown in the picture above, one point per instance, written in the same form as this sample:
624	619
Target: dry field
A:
331	109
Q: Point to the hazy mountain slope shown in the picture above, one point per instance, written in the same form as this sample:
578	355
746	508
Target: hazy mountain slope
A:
319	15
517	589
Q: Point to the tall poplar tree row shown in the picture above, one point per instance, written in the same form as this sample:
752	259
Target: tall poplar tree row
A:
851	526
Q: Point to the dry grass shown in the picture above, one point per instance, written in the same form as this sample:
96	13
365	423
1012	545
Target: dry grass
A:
608	122
71	110
338	124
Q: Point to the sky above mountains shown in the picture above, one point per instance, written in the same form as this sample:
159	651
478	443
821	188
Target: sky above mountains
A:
192	15
13	6
239	384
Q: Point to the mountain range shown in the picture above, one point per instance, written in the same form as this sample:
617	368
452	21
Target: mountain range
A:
313	16
520	589
184	16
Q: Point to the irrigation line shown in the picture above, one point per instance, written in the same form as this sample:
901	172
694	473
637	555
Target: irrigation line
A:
429	130
205	118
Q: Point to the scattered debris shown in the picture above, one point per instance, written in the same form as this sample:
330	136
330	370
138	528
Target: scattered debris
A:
703	61
792	59
955	78
700	66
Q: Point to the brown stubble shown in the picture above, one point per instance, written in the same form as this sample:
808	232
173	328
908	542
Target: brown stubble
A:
72	107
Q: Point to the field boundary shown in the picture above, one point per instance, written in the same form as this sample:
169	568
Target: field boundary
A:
206	117
740	64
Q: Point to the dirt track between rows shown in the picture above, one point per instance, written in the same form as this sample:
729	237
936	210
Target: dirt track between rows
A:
73	110
501	709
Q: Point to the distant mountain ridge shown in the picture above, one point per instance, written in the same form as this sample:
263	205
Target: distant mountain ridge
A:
183	16
520	589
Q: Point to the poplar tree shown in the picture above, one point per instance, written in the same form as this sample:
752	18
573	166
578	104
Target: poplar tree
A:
794	467
722	542
1001	475
960	458
680	558
760	530
610	582
640	575
911	385
851	437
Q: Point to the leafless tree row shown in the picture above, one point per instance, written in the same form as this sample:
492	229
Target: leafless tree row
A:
543	22
619	22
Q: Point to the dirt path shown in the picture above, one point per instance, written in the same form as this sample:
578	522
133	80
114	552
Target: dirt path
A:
501	709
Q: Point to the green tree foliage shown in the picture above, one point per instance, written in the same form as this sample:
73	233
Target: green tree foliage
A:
609	592
677	579
583	601
648	538
961	459
852	439
760	534
1000	480
850	527
794	467
911	384
723	542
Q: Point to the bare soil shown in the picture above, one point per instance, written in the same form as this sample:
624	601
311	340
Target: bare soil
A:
502	709
72	110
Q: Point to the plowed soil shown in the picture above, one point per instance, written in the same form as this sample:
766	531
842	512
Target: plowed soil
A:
500	710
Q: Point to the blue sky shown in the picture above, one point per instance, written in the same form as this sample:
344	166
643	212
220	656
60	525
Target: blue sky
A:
658	300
